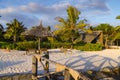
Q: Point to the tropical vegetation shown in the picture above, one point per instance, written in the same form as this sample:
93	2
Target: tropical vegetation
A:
70	26
67	34
14	30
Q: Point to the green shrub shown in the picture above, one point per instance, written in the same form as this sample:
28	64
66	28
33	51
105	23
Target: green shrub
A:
45	45
81	43
60	44
55	45
34	45
26	45
5	45
11	46
89	47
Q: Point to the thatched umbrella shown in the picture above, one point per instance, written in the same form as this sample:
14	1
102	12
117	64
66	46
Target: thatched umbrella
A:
39	32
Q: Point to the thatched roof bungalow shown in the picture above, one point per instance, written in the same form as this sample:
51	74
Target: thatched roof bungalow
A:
95	37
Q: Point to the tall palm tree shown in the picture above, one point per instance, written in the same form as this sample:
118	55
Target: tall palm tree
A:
68	28
107	31
14	29
1	29
118	17
117	31
116	34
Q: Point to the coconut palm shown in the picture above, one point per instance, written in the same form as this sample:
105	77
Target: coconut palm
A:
14	29
118	17
116	35
1	30
107	31
68	28
1	27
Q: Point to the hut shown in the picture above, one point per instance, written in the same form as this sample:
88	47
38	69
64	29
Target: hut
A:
95	37
38	32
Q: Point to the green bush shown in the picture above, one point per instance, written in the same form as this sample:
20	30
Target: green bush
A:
89	47
25	45
60	44
55	45
81	43
45	45
34	45
5	45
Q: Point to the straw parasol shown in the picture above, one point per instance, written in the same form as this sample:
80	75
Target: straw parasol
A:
39	32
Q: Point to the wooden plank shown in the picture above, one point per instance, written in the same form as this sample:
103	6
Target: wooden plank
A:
47	74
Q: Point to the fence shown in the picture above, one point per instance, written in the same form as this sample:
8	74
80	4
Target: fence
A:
68	72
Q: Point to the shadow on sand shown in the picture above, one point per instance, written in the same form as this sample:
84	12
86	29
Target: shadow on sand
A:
94	62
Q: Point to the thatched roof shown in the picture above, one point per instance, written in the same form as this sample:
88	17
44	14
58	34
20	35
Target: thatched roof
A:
38	31
86	37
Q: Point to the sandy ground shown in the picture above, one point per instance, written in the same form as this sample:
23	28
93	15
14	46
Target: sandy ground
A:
16	62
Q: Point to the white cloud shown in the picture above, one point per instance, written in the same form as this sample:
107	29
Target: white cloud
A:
28	21
32	13
7	10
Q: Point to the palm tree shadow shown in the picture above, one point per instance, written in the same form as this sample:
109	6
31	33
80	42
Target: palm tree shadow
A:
4	65
95	62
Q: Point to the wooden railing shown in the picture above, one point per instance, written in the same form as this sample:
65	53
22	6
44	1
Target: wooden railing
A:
68	72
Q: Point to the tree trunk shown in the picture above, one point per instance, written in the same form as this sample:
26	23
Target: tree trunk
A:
106	42
14	38
39	43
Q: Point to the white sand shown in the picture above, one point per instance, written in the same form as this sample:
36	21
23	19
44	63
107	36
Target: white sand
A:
16	62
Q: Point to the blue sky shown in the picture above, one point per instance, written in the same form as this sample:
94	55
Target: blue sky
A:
31	12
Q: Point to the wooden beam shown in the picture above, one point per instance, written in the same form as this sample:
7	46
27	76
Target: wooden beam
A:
47	74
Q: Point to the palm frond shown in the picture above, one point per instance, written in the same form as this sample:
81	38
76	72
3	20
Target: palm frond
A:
118	17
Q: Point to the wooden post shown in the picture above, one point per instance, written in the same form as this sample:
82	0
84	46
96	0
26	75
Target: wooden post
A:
66	75
34	68
47	65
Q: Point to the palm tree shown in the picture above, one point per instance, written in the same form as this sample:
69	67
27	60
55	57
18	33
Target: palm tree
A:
116	35
118	17
14	29
1	27
116	32
107	31
68	28
1	30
